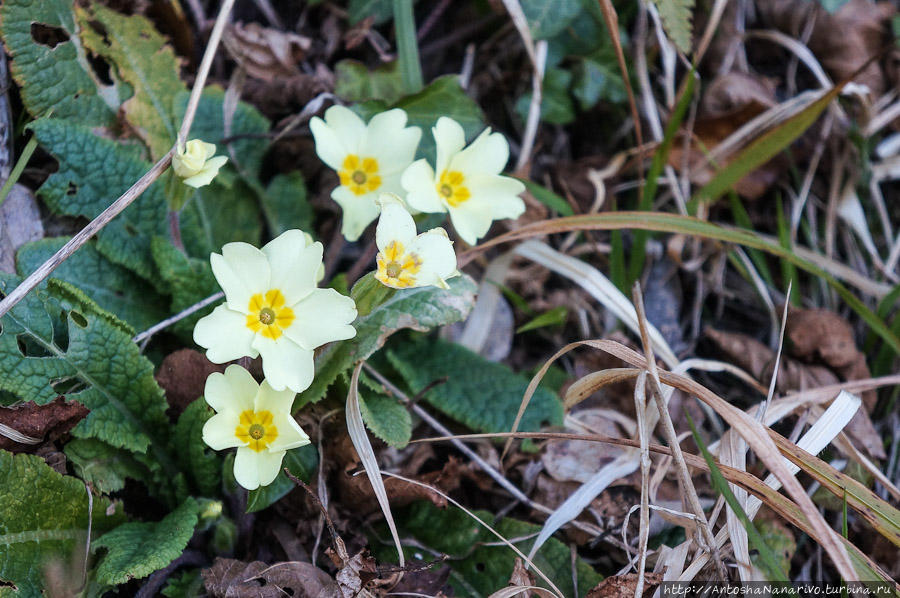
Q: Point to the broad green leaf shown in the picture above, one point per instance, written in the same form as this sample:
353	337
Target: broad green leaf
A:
285	204
105	467
43	516
596	80
780	539
387	418
480	563
92	173
482	394
187	279
380	10
420	309
546	18
354	82
202	465
93	350
137	549
556	105
51	65
111	286
142	58
301	462
215	215
676	18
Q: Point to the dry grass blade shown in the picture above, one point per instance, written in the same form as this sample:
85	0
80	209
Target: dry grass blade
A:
521	591
357	431
518	552
644	432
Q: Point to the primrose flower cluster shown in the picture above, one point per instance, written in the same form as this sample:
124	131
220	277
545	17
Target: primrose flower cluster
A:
378	157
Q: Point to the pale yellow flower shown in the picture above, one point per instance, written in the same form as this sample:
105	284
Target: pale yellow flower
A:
197	163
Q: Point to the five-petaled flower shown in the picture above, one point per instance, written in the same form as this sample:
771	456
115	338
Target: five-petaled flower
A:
274	309
196	163
369	160
466	181
256	419
408	260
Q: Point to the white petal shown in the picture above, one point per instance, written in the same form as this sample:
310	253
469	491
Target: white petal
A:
252	469
501	193
242	271
218	431
224	335
390	183
395	224
397	153
274	401
322	317
450	138
237	295
294	264
234	389
359	211
421	191
290	434
349	128
471	221
285	363
488	154
438	257
328	146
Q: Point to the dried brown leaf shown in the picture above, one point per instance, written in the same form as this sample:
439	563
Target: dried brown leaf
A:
623	586
43	422
230	578
265	53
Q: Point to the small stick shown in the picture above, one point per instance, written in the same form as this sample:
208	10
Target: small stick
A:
179	316
339	545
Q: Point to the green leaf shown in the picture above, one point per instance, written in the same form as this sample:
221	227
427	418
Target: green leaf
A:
137	549
215	215
285	204
833	6
480	563
142	58
676	18
203	466
111	286
556	104
443	97
43	516
483	395
354	82
187	279
93	349
187	584
301	462
551	317
548	197
386	417
381	10
595	81
103	466
92	173
54	73
546	18
420	309
407	45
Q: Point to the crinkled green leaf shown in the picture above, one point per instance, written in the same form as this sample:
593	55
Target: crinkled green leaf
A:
142	58
386	417
137	549
215	215
420	309
43	516
481	564
111	286
354	82
597	80
203	465
676	18
187	584
285	204
301	462
482	394
92	173
105	467
546	18
93	350
54	73
187	279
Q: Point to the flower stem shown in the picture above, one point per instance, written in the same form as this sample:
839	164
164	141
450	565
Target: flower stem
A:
407	46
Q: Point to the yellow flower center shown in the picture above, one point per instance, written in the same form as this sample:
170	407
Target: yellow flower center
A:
396	267
268	314
256	429
451	188
360	175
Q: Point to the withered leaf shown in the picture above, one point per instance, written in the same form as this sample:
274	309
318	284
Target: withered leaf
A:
230	578
623	586
43	422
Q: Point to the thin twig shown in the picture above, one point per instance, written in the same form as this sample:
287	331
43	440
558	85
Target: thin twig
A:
142	184
177	317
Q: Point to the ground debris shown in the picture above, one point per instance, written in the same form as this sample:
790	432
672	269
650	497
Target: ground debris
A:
230	578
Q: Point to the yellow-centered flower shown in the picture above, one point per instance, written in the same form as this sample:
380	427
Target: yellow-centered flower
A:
274	309
368	158
465	181
255	419
408	260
